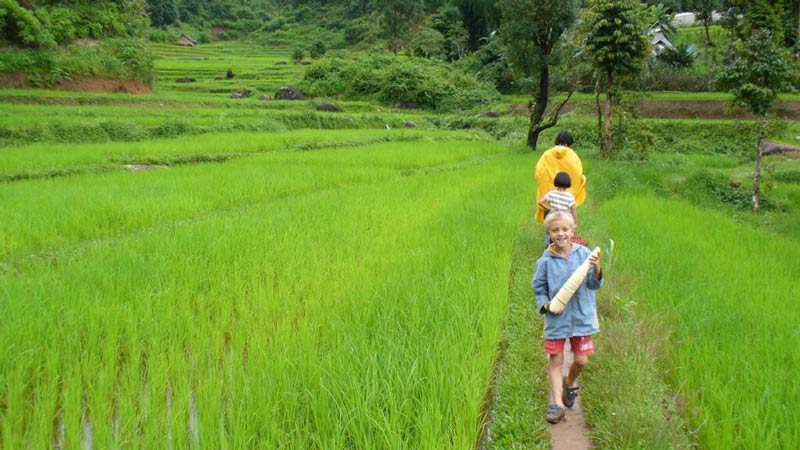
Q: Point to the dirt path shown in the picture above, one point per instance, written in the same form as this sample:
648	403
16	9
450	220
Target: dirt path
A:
572	433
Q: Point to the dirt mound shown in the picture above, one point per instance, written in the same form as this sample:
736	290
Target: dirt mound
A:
680	109
710	109
79	84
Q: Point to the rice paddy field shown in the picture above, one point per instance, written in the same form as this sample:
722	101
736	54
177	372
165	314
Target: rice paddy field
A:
260	68
185	270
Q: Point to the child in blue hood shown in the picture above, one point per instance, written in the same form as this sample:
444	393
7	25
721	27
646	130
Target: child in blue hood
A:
578	322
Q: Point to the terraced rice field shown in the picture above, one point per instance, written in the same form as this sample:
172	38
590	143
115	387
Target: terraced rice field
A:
263	69
348	295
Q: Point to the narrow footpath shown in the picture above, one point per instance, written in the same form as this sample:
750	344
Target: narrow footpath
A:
571	433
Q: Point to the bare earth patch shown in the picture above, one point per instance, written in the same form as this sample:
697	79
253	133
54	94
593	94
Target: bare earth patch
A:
681	109
78	84
141	167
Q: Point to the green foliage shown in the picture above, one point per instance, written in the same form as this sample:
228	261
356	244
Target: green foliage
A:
705	188
662	77
449	21
22	26
317	49
491	64
428	43
45	24
613	32
424	83
531	30
112	58
787	176
705	137
397	18
162	12
757	72
660	17
480	18
298	54
135	62
681	56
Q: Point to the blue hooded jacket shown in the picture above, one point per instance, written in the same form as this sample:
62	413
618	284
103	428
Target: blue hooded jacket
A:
579	317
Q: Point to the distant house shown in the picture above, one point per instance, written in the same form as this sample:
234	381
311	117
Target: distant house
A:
186	40
659	42
684	19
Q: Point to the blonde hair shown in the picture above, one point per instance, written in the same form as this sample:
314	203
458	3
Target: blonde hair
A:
558	215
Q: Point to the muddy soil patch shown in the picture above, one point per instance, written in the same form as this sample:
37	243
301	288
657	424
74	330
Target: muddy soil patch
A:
680	109
78	84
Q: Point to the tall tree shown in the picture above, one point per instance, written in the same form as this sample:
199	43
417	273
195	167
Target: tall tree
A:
480	17
614	39
759	69
162	12
531	30
397	18
704	11
661	18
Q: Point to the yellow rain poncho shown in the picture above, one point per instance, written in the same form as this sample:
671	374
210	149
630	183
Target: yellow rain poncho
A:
559	159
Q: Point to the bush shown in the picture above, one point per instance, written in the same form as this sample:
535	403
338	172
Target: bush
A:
429	43
113	58
706	137
681	56
663	77
317	49
428	84
159	35
705	188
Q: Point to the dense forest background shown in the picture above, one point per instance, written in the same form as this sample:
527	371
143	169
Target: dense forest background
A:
461	25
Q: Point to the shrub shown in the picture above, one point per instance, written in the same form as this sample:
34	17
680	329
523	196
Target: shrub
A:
429	43
428	84
159	35
132	59
663	77
317	49
705	137
681	56
706	188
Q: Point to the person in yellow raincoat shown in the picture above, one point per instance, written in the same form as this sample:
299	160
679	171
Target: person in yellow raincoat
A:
560	158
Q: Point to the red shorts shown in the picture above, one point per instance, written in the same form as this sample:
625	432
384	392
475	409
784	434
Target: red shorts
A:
581	345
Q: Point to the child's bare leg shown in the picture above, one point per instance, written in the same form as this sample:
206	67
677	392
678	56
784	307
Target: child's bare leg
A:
578	363
556	382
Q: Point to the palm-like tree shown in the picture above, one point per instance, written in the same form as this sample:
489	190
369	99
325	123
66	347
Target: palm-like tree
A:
661	18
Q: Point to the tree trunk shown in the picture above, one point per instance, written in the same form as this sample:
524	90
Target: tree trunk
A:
757	172
540	105
605	150
599	109
706	24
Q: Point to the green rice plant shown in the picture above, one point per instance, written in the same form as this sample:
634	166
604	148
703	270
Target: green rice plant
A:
722	289
123	202
364	315
42	160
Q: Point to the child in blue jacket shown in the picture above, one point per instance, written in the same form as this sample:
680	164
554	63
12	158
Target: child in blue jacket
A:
578	321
